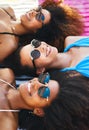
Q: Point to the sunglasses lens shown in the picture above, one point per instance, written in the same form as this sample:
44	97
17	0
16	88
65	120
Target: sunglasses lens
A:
36	43
44	78
40	17
35	54
44	92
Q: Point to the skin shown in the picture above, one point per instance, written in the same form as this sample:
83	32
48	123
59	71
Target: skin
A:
27	24
10	11
8	120
27	97
29	21
53	59
29	93
47	53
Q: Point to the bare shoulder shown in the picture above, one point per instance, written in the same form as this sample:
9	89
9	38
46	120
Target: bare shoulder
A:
7	74
8	120
9	10
71	39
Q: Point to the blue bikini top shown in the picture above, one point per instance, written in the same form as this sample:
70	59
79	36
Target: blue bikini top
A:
83	66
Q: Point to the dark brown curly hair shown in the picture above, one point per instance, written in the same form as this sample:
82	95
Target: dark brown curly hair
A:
70	109
65	21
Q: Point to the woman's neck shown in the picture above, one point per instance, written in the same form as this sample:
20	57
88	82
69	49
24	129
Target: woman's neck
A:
12	98
15	100
19	29
62	60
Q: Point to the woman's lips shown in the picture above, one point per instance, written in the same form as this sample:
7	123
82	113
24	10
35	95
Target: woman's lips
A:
48	51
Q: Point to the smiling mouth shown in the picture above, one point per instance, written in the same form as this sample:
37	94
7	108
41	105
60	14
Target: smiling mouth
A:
48	50
28	16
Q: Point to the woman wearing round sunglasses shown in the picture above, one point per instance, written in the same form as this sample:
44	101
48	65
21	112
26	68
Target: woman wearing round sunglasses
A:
13	30
41	56
38	23
33	95
69	110
50	101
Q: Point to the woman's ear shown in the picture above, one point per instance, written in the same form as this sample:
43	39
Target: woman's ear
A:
39	112
40	70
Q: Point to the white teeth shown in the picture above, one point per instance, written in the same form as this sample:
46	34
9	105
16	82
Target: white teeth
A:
28	16
29	87
48	51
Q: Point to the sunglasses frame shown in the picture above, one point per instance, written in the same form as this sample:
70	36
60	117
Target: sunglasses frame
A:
36	41
39	15
44	79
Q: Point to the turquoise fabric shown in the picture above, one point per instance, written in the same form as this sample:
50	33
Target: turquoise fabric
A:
83	66
84	42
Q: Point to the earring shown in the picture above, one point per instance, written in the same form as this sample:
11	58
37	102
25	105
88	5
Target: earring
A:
47	99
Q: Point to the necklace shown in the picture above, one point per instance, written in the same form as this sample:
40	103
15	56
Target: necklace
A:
9	110
11	33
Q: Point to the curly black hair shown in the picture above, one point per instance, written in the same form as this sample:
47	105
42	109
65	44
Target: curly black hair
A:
70	109
65	21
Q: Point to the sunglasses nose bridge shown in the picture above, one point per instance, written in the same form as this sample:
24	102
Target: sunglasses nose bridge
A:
36	84
39	48
44	78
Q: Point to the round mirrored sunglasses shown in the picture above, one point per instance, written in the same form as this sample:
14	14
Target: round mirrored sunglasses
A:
44	91
40	16
35	53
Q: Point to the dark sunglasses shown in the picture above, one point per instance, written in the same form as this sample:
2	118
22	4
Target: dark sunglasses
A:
39	15
35	53
44	91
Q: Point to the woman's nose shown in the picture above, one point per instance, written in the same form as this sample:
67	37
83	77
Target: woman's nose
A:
42	47
32	13
36	83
